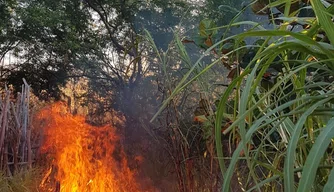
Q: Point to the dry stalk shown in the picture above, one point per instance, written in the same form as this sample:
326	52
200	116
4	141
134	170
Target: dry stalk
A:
15	132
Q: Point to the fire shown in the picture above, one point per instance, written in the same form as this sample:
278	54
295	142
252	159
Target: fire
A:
83	158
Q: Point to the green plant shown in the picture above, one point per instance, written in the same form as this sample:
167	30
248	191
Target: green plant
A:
296	104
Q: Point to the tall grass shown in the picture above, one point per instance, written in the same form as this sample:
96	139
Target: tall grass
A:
24	181
298	106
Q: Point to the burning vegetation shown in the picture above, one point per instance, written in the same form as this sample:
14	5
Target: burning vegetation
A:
82	157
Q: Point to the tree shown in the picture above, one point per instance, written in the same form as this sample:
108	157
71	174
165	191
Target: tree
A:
46	36
8	37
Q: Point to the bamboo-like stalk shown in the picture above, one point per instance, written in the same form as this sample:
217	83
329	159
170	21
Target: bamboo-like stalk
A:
4	119
1	148
29	152
15	131
4	128
26	123
6	167
16	143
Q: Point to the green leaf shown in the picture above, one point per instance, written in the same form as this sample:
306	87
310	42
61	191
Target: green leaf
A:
329	187
315	156
324	18
227	47
200	41
290	157
207	28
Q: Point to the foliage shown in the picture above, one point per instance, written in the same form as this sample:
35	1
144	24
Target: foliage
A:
284	88
99	40
279	79
46	38
105	43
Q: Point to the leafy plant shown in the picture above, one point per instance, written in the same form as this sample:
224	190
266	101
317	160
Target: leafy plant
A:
283	120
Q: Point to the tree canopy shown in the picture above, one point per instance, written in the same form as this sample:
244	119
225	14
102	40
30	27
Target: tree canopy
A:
101	40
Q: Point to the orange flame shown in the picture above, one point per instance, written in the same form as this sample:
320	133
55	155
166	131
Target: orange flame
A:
84	157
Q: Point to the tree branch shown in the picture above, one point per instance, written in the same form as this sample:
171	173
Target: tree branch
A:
120	48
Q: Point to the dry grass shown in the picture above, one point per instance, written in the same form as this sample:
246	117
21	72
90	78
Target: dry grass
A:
24	181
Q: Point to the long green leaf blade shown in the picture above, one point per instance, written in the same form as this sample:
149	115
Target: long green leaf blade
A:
290	156
329	187
324	18
315	156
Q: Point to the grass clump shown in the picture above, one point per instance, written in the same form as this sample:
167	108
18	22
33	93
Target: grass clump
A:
23	181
